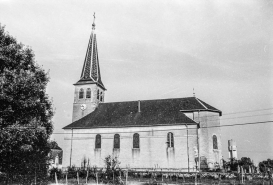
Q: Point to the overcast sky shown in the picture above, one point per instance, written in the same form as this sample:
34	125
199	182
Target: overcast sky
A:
160	49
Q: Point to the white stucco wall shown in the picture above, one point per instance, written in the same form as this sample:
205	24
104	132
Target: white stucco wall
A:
209	126
153	150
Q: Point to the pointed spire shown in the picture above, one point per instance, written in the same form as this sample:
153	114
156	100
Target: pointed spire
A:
91	70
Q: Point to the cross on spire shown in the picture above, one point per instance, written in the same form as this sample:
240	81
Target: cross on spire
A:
93	25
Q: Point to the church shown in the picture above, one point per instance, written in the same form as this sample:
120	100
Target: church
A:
176	133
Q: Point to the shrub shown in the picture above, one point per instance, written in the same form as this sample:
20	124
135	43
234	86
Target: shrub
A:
52	172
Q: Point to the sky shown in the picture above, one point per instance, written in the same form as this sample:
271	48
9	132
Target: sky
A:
160	49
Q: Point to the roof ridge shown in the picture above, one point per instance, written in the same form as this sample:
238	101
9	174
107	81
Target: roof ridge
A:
147	100
201	103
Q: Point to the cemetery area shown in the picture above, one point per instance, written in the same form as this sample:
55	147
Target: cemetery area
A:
119	176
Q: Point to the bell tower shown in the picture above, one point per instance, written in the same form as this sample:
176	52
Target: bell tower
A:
89	90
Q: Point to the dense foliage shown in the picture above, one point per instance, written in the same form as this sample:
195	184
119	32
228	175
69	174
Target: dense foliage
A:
265	166
112	172
25	111
233	164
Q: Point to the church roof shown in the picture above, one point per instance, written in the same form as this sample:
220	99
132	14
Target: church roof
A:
152	112
91	69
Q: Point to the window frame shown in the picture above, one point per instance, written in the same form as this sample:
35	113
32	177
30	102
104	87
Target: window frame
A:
116	141
214	142
136	141
101	96
170	140
98	141
88	92
81	93
98	94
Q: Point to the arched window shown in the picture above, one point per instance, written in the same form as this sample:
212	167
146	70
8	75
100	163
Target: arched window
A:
101	96
98	141
136	140
214	140
117	141
170	140
88	93
98	94
81	93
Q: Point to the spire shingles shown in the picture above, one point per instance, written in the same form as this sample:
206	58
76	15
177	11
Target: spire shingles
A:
91	71
94	70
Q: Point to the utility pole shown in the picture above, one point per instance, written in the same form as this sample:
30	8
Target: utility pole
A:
188	148
71	146
198	143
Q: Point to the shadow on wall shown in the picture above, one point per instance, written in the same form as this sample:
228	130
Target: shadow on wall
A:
170	155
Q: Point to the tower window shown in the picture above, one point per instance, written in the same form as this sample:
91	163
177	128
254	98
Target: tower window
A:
136	140
88	93
116	141
81	93
215	144
170	140
101	96
98	94
98	141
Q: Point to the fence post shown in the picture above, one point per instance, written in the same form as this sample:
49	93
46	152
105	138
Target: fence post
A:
161	174
66	178
78	180
56	179
97	178
87	176
126	177
195	178
200	174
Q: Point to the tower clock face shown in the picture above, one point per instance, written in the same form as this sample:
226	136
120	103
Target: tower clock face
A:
83	106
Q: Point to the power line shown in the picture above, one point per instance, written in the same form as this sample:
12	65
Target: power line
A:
247	116
43	128
247	111
240	124
234	117
257	110
225	150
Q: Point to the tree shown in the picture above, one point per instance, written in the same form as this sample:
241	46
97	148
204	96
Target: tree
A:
246	163
25	111
112	172
54	145
233	164
265	165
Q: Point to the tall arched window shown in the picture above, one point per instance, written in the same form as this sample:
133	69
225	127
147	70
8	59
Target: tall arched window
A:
214	140
98	94
81	93
136	140
116	141
88	93
98	141
170	140
101	96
